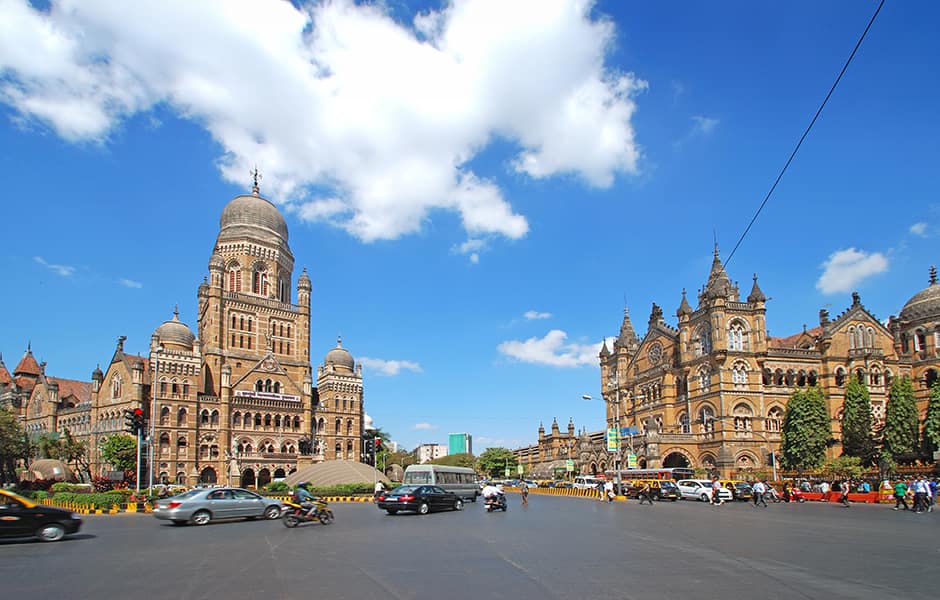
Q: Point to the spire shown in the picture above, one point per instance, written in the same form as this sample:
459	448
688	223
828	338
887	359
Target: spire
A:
255	181
627	333
856	299
719	284
27	364
176	312
933	275
756	295
684	307
604	350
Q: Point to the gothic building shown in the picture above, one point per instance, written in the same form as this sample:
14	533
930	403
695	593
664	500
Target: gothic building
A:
233	404
711	391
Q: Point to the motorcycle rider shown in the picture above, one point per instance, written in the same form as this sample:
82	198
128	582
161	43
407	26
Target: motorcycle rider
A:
304	498
491	493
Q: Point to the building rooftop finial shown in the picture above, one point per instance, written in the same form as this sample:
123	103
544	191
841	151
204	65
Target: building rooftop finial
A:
933	275
176	312
255	181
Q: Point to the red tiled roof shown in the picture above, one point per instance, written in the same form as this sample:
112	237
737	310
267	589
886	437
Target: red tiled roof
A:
27	365
791	341
25	383
81	390
5	377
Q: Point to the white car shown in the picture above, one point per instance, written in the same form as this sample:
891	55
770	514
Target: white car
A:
701	489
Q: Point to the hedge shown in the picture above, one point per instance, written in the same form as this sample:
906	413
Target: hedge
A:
96	500
343	489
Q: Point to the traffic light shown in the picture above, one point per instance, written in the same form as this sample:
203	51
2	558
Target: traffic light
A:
378	444
130	421
369	447
138	420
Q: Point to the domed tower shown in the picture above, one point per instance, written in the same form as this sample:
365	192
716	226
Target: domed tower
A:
255	346
341	410
917	335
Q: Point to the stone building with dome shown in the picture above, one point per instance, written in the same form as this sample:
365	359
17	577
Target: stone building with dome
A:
234	402
710	391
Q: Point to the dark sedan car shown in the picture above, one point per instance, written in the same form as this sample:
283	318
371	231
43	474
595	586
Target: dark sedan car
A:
20	517
422	499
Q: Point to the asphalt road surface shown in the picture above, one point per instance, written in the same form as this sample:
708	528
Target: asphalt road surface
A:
553	548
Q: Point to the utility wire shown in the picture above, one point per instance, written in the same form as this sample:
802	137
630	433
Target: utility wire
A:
805	133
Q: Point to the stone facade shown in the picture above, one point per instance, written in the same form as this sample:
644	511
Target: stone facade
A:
235	404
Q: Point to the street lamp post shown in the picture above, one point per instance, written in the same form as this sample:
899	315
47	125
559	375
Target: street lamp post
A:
616	403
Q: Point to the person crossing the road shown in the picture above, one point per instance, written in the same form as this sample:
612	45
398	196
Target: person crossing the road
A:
757	492
645	495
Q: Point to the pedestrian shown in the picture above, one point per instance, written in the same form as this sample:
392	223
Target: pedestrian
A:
919	486
931	494
824	487
844	498
716	492
866	487
644	494
609	491
786	491
524	491
379	488
600	491
900	491
757	493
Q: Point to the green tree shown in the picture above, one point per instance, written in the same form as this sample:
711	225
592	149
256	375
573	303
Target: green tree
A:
14	446
120	451
857	438
901	424
806	430
494	461
931	438
456	460
843	467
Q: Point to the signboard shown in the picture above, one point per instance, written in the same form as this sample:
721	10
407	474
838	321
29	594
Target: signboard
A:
266	395
612	439
506	473
569	465
115	475
628	431
631	461
520	469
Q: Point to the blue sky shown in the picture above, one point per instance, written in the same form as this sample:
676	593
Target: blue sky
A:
475	188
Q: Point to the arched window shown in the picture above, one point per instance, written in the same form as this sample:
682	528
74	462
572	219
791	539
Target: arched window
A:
181	446
248	422
742	418
296	422
267	385
237	419
704	378
812	378
277	421
860	375
840	376
321	425
869	338
920	340
707	417
339	426
683	422
767	376
234	277
852	345
267	420
774	420
204	416
790	378
702	340
739	374
277	387
349	427
116	387
875	376
164	416
181	417
257	419
259	281
214	417
339	449
778	377
164	443
737	336
930	377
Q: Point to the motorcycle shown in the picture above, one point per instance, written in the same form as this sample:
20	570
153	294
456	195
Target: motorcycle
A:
496	502
293	514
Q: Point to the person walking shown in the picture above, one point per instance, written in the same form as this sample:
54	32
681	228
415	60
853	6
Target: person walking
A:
524	491
609	491
900	491
600	491
919	487
931	494
716	492
844	497
757	493
644	495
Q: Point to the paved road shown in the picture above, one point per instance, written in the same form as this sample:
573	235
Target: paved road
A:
554	548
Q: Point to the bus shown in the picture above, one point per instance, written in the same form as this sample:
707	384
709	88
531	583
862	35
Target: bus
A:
460	480
673	473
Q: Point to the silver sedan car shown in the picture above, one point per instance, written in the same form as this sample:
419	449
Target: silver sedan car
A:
201	506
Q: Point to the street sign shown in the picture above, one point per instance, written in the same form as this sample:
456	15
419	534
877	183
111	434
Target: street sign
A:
115	475
631	461
569	465
506	472
628	431
612	439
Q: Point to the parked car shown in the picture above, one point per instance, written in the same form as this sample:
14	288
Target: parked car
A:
21	517
200	506
421	499
701	489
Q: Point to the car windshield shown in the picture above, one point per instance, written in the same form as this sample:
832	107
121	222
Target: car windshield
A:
744	486
404	489
667	484
189	494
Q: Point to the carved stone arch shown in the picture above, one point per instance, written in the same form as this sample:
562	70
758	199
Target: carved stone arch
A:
745	460
708	462
677	450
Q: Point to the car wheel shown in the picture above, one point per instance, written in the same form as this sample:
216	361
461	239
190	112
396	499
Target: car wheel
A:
326	517
201	517
272	512
458	504
53	532
423	508
392	511
705	498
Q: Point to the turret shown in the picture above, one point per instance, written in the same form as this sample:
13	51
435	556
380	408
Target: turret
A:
97	377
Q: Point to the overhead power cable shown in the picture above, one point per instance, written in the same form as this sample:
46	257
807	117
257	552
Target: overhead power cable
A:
805	133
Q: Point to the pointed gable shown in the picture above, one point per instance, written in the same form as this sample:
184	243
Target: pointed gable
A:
5	377
27	365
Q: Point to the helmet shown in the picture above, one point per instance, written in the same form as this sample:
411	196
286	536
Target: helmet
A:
302	484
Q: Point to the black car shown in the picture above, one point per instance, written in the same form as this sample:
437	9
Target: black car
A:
20	518
422	499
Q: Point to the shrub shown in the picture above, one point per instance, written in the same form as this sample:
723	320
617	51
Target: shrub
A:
63	487
102	484
277	486
96	500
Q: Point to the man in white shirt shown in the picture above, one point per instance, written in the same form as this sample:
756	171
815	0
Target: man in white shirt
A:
757	493
609	491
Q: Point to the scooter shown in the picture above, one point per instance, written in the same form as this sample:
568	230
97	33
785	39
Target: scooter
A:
496	502
293	514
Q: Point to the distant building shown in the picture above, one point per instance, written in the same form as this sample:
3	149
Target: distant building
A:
460	443
426	452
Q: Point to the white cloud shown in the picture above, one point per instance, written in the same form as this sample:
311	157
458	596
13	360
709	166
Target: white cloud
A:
845	269
130	283
551	350
424	427
357	120
389	367
63	270
471	248
703	125
532	315
919	229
